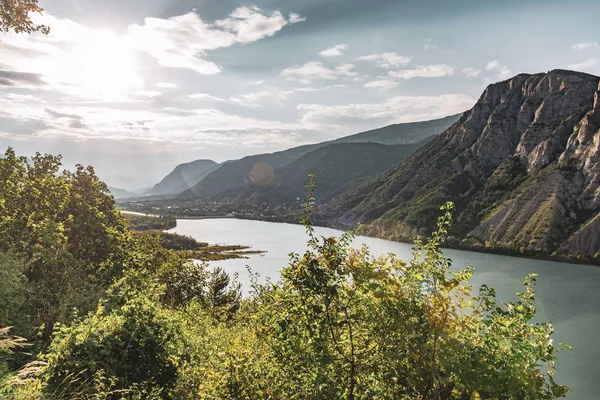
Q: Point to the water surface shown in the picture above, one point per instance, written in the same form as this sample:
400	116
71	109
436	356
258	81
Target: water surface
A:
568	295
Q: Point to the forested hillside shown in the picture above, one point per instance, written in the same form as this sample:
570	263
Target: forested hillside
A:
236	175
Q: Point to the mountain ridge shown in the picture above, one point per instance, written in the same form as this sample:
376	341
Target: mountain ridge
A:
234	175
522	167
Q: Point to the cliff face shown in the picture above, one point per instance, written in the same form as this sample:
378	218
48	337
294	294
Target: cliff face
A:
522	167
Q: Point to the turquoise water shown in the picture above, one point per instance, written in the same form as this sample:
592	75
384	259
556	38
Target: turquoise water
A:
568	295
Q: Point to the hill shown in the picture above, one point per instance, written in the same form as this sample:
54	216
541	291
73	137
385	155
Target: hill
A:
121	193
337	167
235	175
522	166
183	177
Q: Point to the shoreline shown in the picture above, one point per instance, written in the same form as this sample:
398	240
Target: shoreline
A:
495	251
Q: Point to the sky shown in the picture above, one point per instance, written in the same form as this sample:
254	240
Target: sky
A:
135	87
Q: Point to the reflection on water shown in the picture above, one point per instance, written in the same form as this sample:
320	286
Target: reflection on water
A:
568	295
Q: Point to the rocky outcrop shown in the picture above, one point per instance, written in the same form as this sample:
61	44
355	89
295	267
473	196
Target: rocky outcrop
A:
522	166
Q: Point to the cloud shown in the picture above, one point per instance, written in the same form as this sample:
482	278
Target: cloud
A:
255	99
471	72
381	84
21	79
334	51
426	71
393	110
584	65
204	96
75	121
429	45
386	60
316	70
166	85
183	41
255	83
585	46
502	71
295	18
57	115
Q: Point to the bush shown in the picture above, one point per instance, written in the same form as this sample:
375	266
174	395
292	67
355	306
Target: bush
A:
130	344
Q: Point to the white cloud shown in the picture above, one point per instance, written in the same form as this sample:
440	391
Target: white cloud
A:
381	84
295	18
425	71
316	70
586	65
182	41
386	60
393	110
166	85
255	99
334	51
471	72
429	45
585	46
255	83
502	71
148	93
204	96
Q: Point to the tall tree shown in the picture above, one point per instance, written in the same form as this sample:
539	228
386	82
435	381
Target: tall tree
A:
15	16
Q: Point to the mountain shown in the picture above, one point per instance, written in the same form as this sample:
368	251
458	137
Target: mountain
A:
522	166
129	183
235	175
121	193
183	177
336	167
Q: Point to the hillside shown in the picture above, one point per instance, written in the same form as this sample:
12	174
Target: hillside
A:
336	166
183	177
522	167
234	175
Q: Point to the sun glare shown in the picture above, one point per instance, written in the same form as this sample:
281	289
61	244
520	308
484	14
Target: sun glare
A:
104	66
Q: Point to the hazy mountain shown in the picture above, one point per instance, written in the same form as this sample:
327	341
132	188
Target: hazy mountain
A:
183	177
236	175
522	166
129	183
336	167
121	193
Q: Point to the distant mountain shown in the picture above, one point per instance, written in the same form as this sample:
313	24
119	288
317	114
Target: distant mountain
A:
236	175
183	177
129	183
336	167
522	166
121	193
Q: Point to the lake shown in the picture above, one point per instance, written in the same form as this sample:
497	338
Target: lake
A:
568	295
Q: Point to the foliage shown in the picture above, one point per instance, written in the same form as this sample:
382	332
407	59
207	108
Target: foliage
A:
174	241
65	228
339	323
14	15
147	223
132	341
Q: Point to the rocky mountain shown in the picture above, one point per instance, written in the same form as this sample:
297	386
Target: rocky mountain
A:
236	175
337	167
183	177
522	166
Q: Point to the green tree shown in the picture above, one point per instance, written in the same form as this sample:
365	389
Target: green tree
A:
14	15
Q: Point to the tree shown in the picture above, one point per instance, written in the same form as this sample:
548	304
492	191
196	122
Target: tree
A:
14	15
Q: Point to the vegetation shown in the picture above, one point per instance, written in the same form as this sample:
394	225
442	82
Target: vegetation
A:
14	16
148	223
121	316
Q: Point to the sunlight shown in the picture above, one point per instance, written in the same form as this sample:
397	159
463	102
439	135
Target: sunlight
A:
103	66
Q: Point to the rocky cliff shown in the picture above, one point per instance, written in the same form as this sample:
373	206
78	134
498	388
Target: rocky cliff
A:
522	167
